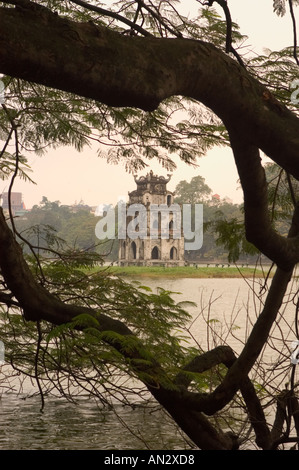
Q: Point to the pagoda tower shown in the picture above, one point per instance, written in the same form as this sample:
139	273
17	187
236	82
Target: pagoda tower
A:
161	241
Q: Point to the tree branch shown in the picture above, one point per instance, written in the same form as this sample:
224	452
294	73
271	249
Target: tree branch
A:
225	355
119	70
294	31
7	299
112	14
36	302
229	42
258	224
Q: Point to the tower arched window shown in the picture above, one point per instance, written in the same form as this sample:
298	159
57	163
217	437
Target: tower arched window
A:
133	250
155	253
173	253
123	250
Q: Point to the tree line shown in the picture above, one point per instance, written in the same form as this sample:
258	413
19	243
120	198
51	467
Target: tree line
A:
51	224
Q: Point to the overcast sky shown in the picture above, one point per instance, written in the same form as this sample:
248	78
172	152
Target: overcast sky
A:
69	177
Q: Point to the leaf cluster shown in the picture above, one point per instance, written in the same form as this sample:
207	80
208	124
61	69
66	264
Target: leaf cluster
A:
80	351
231	235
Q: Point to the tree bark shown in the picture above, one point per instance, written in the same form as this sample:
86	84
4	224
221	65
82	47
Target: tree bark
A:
98	63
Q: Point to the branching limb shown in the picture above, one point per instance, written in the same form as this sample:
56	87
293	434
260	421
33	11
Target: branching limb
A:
294	31
258	224
7	299
225	355
229	41
111	14
287	408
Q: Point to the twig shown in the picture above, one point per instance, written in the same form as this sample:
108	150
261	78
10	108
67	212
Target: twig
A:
111	14
229	46
294	31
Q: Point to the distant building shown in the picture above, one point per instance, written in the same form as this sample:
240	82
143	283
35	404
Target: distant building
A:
167	247
216	199
16	202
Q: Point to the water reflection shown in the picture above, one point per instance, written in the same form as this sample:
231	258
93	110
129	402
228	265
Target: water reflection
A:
83	426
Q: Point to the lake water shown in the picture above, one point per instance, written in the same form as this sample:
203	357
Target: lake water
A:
221	303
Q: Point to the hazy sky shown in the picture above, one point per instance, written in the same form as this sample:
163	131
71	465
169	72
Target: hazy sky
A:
69	176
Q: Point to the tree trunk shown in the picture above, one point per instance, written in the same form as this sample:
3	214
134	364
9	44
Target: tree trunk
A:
98	63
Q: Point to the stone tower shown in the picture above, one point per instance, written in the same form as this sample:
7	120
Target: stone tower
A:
161	241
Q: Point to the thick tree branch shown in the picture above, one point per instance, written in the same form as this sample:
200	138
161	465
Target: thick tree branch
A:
117	70
259	229
186	407
199	364
225	355
112	14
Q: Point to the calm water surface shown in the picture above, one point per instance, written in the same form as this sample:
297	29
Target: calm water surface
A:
66	426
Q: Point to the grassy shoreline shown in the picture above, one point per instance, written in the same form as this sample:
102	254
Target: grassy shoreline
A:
186	272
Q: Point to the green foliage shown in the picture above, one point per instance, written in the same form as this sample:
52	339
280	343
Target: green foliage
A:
224	232
197	191
76	349
210	26
283	192
231	235
277	70
70	230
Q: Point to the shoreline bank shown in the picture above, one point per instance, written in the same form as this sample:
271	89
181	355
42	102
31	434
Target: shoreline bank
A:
188	272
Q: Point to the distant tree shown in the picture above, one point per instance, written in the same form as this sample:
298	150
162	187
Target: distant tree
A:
195	191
